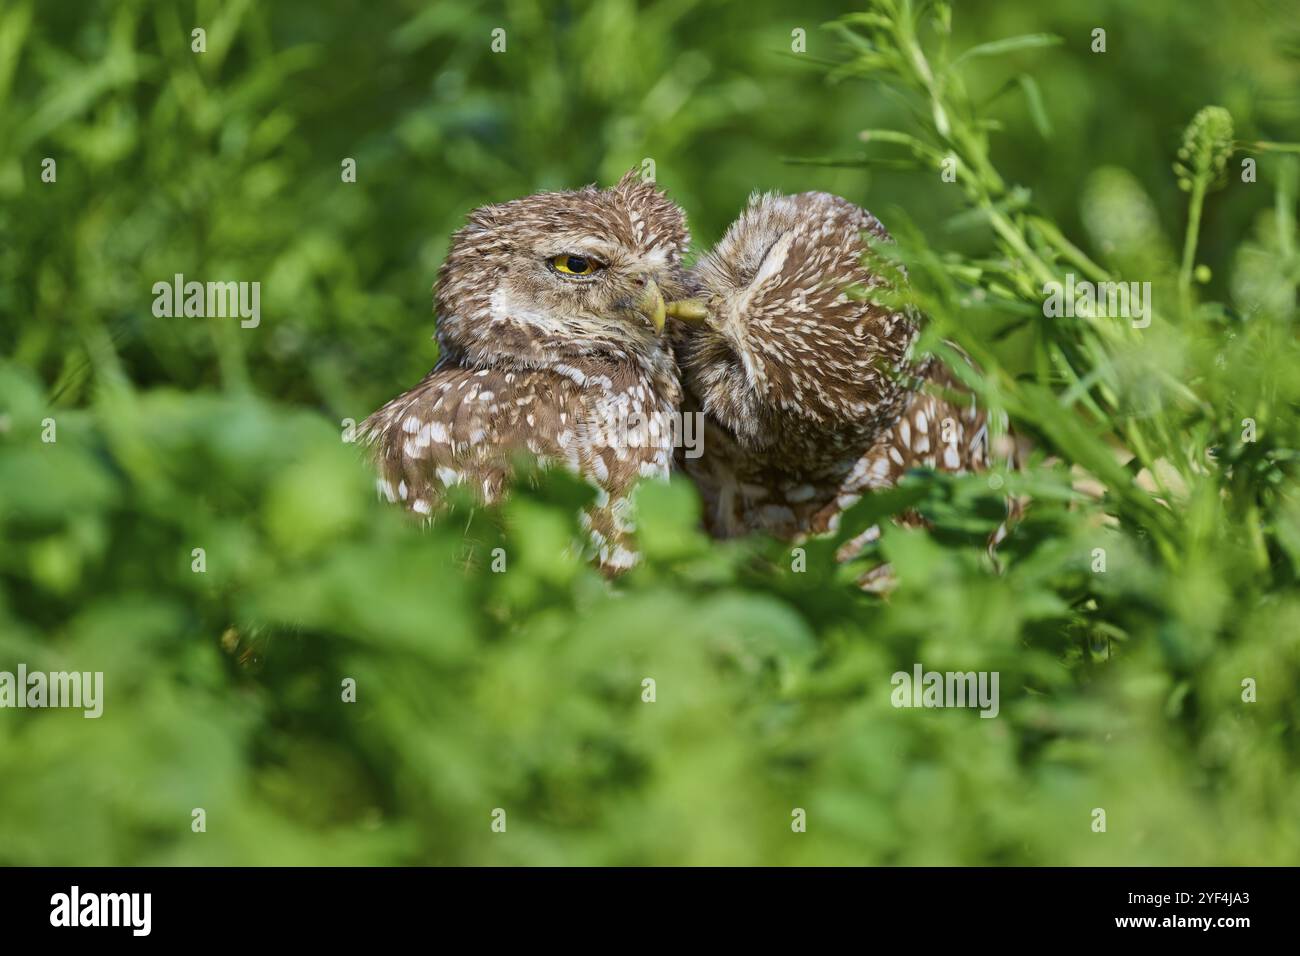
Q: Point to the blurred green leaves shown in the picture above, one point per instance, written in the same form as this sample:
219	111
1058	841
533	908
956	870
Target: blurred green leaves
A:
524	688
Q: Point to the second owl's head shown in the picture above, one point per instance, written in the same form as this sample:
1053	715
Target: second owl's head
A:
564	273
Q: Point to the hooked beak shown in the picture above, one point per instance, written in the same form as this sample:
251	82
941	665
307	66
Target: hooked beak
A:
651	302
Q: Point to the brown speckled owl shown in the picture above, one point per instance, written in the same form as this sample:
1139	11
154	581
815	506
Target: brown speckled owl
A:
809	392
550	315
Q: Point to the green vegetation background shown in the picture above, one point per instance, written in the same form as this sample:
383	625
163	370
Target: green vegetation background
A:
1120	690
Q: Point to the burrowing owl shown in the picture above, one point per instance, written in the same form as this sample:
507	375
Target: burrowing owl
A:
551	314
810	395
550	311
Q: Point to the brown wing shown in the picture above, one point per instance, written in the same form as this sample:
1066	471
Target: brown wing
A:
463	426
466	426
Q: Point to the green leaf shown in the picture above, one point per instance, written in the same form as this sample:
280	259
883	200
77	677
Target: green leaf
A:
1034	99
1028	41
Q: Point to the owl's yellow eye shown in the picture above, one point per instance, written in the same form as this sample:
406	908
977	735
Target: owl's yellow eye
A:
571	265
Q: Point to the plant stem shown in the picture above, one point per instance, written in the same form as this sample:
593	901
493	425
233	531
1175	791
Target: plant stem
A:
1189	243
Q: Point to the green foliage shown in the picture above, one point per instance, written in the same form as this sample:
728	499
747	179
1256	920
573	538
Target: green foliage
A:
523	689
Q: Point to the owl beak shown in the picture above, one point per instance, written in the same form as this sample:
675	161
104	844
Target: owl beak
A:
651	302
688	310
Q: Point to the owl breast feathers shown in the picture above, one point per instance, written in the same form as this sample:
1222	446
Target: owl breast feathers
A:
571	333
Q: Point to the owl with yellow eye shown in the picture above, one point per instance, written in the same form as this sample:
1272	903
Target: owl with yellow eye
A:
550	312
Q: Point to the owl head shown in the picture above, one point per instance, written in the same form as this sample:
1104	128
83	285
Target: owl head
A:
789	349
563	274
